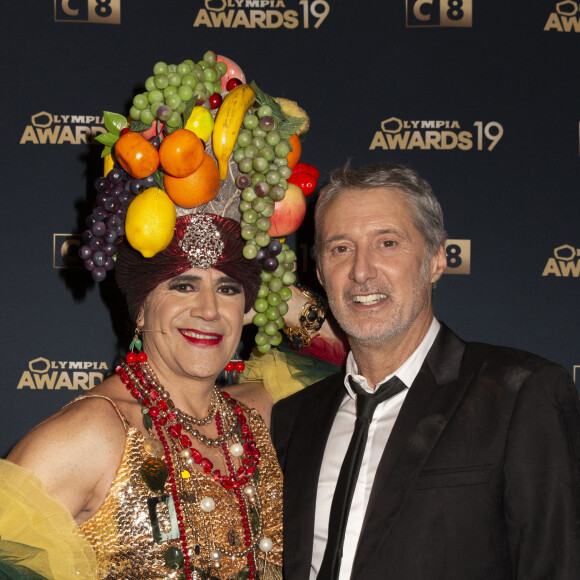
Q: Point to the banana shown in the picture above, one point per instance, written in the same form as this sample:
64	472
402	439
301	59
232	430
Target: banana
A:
227	124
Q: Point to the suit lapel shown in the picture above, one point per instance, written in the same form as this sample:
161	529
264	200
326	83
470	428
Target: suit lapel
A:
430	403
304	457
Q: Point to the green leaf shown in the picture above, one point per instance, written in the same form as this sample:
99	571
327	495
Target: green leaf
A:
287	125
158	176
245	573
114	122
188	108
107	139
105	152
139	126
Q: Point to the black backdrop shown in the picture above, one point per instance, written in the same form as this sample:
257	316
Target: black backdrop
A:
482	97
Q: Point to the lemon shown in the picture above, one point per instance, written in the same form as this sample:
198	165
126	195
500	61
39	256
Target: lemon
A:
200	122
150	222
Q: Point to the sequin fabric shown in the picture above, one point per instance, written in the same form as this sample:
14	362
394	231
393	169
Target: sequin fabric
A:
121	532
202	242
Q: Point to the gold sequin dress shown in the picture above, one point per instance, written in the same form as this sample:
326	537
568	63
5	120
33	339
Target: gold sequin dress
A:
121	532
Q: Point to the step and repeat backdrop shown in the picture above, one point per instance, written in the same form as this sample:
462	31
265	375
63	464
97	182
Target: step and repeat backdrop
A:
481	96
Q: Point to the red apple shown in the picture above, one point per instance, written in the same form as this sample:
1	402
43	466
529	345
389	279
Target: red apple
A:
234	71
288	213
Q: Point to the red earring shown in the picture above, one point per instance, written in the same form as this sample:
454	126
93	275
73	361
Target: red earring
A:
235	364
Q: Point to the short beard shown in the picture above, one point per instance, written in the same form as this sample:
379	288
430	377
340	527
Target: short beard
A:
363	333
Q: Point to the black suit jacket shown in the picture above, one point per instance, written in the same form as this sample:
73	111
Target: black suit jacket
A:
480	478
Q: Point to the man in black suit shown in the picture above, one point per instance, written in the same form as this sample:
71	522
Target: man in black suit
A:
471	469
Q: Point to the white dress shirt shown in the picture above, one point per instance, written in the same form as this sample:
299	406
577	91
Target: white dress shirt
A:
338	441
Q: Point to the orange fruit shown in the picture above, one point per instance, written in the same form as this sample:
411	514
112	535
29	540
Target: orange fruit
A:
181	153
196	188
294	155
136	155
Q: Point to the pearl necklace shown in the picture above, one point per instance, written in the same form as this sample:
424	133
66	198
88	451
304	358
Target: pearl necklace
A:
231	424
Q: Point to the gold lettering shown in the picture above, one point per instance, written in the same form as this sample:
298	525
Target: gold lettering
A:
378	141
552	268
64	382
26	380
29	135
553	23
202	19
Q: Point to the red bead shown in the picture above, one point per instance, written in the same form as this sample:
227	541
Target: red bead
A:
230	367
153	394
185	441
207	465
196	455
136	393
240	366
162	405
162	421
131	357
225	395
175	431
154	412
171	416
141	357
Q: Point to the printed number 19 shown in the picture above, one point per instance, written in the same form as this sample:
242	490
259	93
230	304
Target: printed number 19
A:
494	136
318	8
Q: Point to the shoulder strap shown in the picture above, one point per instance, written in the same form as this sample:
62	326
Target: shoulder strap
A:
124	419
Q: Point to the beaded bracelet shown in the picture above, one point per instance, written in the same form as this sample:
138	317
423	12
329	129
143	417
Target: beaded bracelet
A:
312	317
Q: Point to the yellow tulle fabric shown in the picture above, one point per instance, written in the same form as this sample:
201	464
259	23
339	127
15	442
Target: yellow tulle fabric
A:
284	372
37	532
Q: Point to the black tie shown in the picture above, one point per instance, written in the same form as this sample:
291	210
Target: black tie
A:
366	403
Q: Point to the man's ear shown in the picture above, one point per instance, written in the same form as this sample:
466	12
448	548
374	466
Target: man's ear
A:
320	277
438	264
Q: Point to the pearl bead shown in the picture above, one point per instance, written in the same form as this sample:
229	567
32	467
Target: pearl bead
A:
207	504
185	453
216	554
250	490
266	544
237	449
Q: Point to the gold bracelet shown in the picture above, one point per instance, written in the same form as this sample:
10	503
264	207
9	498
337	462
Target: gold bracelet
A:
312	317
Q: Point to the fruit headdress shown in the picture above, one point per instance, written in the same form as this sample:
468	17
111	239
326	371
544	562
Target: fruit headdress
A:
201	148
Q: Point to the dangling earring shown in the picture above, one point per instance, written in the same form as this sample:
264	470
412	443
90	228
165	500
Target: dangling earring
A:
235	364
136	345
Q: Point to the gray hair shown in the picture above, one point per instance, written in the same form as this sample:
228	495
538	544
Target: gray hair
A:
426	213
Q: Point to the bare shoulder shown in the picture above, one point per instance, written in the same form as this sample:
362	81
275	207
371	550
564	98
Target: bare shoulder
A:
74	450
254	396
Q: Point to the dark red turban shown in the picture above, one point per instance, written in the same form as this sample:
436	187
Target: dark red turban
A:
200	241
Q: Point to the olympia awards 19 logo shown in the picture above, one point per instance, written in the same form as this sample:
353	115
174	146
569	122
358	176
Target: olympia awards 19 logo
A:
564	263
94	11
48	129
55	375
399	134
565	17
262	14
439	13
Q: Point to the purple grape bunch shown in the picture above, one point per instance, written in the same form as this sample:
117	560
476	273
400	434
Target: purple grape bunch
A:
267	256
106	224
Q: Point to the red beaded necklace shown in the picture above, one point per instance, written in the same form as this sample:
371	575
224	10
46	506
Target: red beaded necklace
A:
141	382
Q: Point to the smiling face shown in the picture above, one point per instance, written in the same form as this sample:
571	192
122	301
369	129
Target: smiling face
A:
192	324
374	268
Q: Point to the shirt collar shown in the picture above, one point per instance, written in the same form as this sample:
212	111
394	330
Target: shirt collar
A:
406	372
